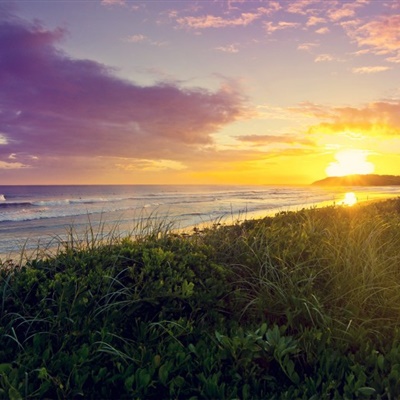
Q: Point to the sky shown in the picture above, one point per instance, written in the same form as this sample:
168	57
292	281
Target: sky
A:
198	92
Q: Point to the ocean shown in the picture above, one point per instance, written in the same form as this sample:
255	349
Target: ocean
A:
33	217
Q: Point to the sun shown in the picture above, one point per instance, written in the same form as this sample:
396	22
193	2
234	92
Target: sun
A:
350	162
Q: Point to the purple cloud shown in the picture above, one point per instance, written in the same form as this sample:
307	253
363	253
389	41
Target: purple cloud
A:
52	104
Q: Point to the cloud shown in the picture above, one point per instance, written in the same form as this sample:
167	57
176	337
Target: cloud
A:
212	21
340	13
143	39
324	58
225	21
322	31
268	139
3	139
307	46
393	5
113	2
394	59
11	165
136	38
273	6
378	119
312	110
149	165
345	10
315	21
231	48
53	105
369	70
381	36
301	7
270	27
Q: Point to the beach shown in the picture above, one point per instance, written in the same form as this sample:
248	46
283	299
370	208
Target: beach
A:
33	217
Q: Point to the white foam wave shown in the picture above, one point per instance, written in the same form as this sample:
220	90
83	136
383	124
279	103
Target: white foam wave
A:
78	201
2	197
51	203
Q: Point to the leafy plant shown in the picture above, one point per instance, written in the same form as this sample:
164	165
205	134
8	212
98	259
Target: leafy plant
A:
301	305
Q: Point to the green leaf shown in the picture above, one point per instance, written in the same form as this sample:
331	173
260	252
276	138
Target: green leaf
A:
157	360
163	373
380	361
43	374
179	381
218	336
5	368
46	354
143	378
366	391
14	394
192	348
262	330
129	382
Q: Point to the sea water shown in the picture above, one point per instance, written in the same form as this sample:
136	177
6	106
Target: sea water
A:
32	216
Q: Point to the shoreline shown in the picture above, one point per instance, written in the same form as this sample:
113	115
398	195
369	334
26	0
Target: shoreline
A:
104	231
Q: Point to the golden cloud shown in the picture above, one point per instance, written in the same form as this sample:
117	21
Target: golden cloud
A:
375	119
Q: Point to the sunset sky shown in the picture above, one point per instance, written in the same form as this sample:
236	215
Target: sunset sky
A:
204	92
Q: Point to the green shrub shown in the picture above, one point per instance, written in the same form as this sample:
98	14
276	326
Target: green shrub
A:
302	305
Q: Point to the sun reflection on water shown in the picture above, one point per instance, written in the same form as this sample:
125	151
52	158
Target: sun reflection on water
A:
349	199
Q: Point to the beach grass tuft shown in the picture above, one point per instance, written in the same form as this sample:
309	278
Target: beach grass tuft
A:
301	305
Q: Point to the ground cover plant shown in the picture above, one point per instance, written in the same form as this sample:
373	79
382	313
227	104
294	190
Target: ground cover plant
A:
302	305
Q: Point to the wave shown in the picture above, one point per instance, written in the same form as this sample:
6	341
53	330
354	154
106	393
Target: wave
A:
34	213
2	197
173	200
62	202
42	214
23	204
96	200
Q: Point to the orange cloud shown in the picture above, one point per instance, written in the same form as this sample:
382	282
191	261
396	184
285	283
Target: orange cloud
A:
322	31
382	36
375	119
268	139
347	10
338	14
149	165
312	110
301	7
315	21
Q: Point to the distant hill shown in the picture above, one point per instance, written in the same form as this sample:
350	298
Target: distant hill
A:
359	180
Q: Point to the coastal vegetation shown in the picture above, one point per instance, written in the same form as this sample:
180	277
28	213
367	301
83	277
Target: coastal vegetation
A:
302	305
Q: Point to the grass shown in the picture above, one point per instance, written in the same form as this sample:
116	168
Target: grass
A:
301	305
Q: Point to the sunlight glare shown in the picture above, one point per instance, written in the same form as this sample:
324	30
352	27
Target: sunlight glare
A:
350	162
349	199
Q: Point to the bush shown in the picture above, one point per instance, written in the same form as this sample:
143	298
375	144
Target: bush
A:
303	305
